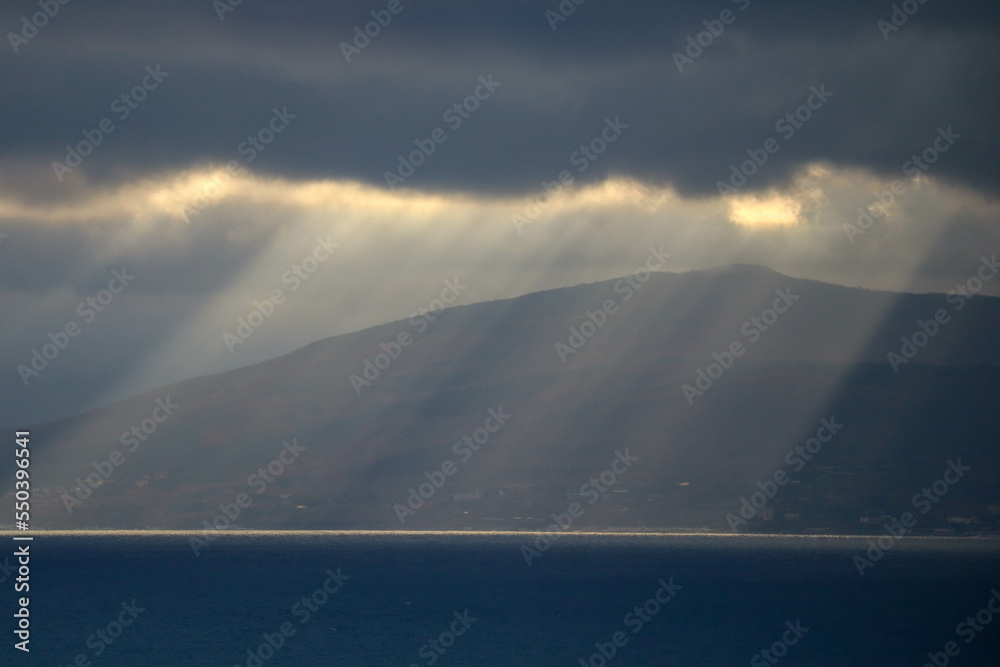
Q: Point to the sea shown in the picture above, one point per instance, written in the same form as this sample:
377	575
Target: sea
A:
255	599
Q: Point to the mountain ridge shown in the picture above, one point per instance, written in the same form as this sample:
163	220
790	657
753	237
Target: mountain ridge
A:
366	445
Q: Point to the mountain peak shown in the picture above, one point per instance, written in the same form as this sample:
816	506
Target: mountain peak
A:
638	363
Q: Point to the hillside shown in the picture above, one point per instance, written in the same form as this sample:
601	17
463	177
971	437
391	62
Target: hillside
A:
573	401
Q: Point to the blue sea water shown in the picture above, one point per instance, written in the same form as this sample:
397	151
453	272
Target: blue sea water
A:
389	596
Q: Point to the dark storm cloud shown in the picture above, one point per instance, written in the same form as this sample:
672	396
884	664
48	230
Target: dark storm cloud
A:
605	60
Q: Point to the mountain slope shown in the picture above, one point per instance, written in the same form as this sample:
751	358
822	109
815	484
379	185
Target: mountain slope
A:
574	401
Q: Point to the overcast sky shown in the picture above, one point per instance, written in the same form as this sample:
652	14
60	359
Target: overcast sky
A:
207	149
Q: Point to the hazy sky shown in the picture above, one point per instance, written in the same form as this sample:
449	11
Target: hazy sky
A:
208	149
